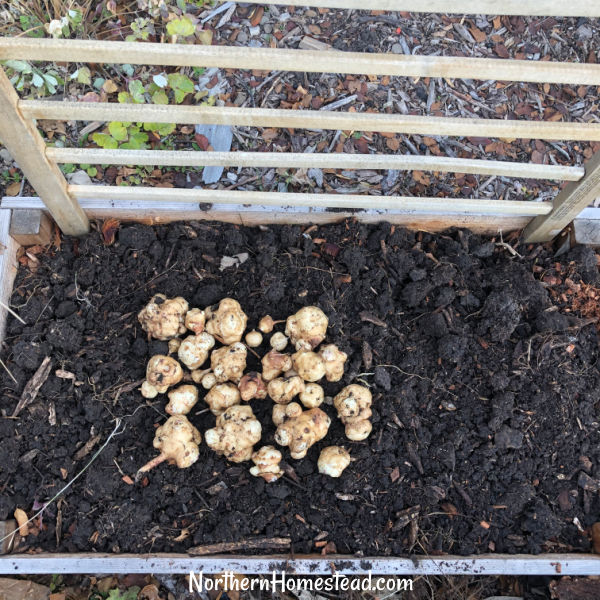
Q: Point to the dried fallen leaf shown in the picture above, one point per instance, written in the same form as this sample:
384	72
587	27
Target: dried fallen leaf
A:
127	479
109	230
13	189
21	519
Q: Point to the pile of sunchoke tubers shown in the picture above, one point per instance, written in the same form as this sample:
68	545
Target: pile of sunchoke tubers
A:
285	377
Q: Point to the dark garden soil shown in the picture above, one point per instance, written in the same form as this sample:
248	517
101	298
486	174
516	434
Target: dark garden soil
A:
485	385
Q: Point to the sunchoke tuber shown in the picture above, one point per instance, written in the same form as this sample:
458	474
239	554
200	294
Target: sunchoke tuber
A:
353	404
333	460
252	386
221	396
266	462
227	323
274	364
309	365
307	328
282	390
229	362
182	399
312	396
278	341
254	339
301	432
285	412
161	373
235	434
334	360
163	318
177	441
194	350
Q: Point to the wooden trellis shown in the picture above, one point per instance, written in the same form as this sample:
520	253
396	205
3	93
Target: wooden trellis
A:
72	205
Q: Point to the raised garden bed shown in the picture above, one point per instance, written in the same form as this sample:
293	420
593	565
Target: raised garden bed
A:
482	360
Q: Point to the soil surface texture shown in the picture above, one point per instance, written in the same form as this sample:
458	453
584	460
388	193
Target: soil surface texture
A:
482	357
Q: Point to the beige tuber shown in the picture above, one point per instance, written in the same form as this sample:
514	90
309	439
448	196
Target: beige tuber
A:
333	460
195	320
266	324
161	373
309	365
312	396
274	364
148	390
301	432
278	341
307	328
208	381
182	399
235	434
174	345
229	362
194	350
162	318
353	404
222	396
334	360
266	462
254	339
285	412
227	323
252	386
282	390
177	441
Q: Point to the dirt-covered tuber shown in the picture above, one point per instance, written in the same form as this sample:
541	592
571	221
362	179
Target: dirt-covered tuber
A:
229	362
195	320
301	432
307	328
266	324
312	396
174	345
194	350
284	412
227	323
283	389
177	441
208	381
266	461
278	341
254	339
252	386
309	365
334	360
353	404
163	318
274	364
162	372
222	396
235	434
182	399
333	460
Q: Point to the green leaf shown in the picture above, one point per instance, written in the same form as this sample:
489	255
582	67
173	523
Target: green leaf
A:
124	98
178	81
137	141
183	27
99	82
161	129
18	65
37	80
105	141
84	75
92	171
137	91
118	131
160	97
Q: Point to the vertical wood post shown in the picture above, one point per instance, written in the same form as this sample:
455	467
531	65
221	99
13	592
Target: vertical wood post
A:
567	205
27	147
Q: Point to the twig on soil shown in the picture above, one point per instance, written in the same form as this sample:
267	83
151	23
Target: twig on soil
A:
8	371
252	544
68	485
33	386
12	312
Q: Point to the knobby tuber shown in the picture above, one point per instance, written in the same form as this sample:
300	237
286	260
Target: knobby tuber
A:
309	365
195	320
227	323
194	350
284	412
208	381
174	345
162	318
161	373
182	399
307	328
353	404
254	339
236	432
282	390
229	362
333	460
221	396
278	341
266	324
252	386
301	432
177	441
334	360
267	465
274	364
312	396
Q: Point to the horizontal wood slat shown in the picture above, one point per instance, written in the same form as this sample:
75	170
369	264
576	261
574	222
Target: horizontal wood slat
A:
550	8
411	204
299	60
290	160
310	119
